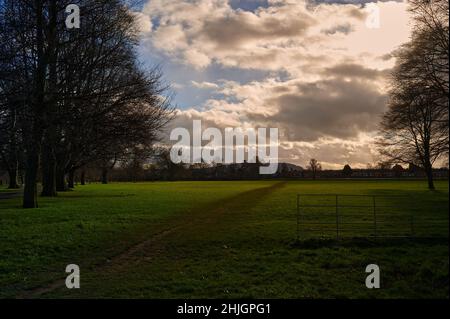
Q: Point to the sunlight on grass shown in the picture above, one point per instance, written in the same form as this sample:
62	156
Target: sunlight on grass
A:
226	239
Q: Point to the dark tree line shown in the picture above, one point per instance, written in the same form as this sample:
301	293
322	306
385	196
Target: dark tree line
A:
415	127
73	97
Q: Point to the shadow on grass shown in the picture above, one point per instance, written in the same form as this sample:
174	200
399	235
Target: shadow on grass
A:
100	196
318	243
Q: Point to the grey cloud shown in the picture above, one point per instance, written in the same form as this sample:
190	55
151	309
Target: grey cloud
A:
234	30
354	70
342	28
357	14
329	108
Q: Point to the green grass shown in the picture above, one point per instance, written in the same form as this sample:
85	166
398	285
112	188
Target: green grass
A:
218	239
4	188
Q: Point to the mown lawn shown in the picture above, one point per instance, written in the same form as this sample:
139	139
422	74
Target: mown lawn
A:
4	188
214	239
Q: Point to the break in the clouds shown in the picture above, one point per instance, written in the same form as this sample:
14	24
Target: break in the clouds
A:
316	70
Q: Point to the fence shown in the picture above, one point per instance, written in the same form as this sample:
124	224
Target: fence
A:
339	216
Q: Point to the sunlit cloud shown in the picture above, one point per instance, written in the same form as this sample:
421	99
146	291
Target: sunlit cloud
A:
322	68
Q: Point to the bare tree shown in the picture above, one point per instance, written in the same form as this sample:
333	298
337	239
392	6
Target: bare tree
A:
10	141
314	166
113	105
79	96
10	145
412	130
430	58
415	127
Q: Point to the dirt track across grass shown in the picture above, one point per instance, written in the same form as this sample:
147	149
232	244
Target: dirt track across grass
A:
153	246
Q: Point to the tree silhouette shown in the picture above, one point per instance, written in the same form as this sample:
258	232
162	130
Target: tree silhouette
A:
347	171
78	95
314	166
415	127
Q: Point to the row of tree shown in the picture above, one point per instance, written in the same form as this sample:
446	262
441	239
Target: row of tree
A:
73	97
415	128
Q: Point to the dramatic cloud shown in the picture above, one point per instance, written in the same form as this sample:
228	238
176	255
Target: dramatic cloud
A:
354	71
331	108
315	70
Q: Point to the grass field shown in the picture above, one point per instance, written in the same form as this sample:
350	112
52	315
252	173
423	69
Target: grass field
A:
213	239
3	188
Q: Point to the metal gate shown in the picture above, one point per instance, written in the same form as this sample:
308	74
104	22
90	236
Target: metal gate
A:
346	216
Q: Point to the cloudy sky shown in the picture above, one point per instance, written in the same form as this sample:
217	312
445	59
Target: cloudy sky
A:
314	69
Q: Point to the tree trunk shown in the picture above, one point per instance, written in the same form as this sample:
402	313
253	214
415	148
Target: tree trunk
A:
48	149
48	172
13	184
49	180
30	189
429	172
104	176
61	184
71	179
13	166
427	161
83	177
35	139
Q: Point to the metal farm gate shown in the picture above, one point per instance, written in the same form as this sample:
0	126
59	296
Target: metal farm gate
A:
376	216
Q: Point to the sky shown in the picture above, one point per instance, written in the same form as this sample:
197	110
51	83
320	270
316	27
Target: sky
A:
316	70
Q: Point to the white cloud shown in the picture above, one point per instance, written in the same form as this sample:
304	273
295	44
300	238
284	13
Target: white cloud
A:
205	85
333	89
